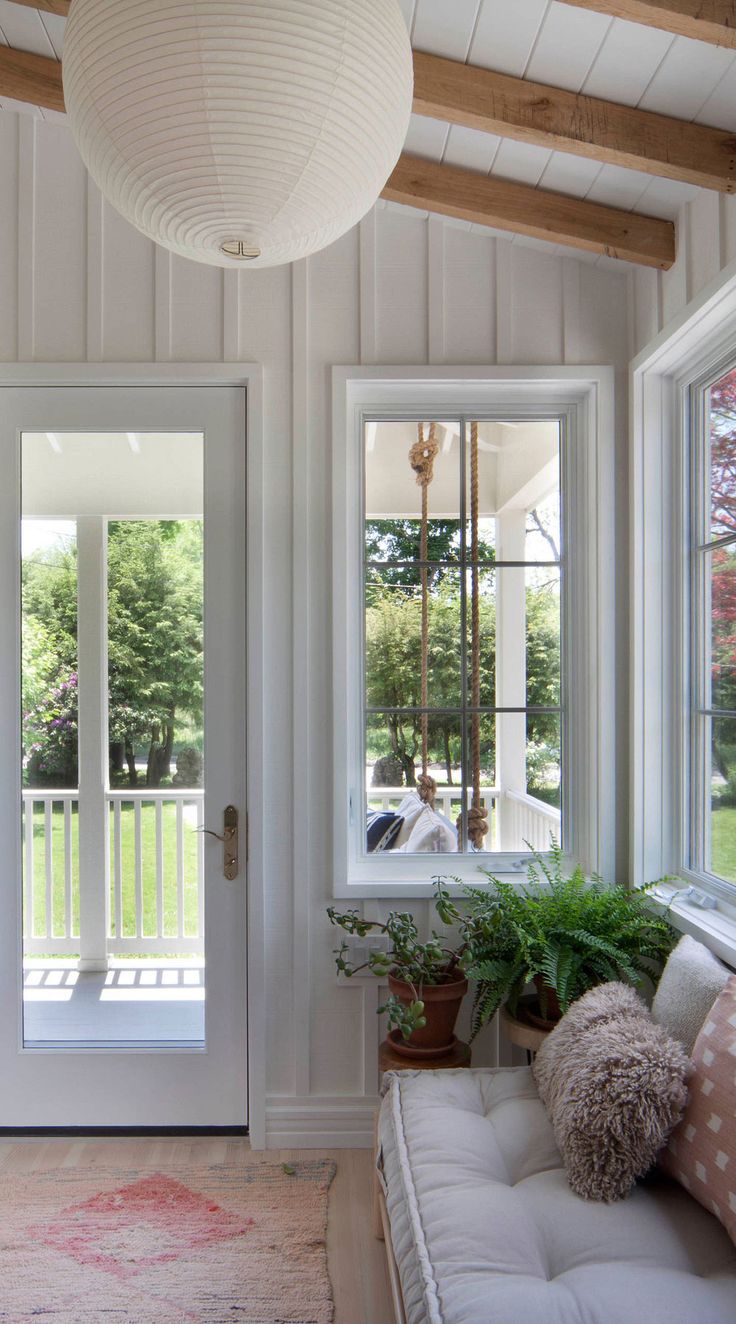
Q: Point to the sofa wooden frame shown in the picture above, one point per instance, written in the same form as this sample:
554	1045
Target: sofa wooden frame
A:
382	1230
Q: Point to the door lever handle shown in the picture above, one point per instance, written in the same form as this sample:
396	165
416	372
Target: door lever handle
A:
229	839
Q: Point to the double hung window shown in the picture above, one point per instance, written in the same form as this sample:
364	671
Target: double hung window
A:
473	617
463	695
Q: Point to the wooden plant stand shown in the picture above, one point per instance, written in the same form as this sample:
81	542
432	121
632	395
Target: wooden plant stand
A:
520	1031
390	1060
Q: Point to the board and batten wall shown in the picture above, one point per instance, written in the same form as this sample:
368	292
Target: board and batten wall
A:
78	284
706	245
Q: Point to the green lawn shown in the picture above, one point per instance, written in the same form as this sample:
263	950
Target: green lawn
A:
723	843
148	854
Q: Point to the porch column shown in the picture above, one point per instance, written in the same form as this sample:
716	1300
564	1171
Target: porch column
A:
510	669
92	661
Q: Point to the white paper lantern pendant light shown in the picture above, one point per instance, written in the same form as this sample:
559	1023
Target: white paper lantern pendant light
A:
239	133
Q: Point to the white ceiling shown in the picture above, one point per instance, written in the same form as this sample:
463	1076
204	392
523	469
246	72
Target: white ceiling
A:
542	40
134	475
518	468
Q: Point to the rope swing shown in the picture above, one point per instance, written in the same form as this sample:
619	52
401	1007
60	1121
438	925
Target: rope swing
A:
421	458
477	816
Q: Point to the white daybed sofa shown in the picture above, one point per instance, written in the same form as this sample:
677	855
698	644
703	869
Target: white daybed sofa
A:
482	1227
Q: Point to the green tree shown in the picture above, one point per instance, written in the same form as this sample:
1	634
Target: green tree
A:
154	645
393	677
49	664
394	660
393	654
155	636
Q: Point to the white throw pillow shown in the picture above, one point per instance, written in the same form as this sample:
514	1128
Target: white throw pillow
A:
691	981
425	831
409	809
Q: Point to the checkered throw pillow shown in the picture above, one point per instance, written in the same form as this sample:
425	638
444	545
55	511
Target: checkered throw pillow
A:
701	1153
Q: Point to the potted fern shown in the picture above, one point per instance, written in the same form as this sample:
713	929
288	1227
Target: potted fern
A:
562	932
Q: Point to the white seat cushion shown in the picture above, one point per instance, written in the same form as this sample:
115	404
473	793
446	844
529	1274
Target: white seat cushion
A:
486	1230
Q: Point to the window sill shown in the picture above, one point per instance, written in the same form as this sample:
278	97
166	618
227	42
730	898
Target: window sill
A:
715	928
380	878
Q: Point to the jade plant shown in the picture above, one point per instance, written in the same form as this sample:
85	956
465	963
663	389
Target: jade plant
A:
416	963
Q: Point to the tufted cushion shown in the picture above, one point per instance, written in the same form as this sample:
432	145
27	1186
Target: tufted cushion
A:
487	1231
613	1084
689	985
702	1151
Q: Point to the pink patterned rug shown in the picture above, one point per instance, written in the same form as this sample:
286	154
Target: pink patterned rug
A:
196	1244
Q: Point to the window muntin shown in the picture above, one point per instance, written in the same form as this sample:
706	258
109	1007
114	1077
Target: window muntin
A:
713	633
517	722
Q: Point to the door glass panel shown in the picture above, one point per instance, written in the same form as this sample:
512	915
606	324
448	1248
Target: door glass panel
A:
112	760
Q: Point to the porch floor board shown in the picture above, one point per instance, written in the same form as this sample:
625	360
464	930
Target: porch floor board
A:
143	1001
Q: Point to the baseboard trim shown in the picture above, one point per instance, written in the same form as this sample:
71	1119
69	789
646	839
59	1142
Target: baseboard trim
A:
100	1132
320	1122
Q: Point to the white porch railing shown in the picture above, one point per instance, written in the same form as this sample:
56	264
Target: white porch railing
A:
528	820
152	933
155	872
50	908
514	817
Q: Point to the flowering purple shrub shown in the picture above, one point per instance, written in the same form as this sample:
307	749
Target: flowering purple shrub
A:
50	737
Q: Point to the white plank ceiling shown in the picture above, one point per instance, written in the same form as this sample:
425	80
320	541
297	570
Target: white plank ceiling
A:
542	40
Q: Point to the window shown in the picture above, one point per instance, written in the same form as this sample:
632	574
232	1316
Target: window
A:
462	631
712	778
513	716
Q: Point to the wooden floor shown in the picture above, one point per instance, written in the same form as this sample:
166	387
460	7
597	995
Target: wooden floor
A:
356	1259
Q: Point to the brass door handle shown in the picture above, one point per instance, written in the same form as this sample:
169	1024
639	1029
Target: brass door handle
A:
229	839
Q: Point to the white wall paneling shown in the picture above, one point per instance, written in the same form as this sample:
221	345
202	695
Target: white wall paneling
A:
9	249
706	244
401	289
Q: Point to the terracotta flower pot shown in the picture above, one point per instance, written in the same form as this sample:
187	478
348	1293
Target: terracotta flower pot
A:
554	1010
441	1007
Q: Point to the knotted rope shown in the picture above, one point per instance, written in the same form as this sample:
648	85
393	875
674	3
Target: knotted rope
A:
421	458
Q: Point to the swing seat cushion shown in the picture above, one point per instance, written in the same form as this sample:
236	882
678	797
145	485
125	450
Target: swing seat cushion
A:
424	830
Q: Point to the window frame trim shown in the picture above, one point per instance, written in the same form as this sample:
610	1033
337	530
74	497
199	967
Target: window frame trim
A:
665	381
584	397
695	488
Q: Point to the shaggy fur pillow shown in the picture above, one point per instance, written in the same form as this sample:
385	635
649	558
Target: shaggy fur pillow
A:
613	1084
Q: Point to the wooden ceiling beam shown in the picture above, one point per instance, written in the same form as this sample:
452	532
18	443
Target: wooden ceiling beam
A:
569	122
705	20
555	217
48	6
33	78
519	208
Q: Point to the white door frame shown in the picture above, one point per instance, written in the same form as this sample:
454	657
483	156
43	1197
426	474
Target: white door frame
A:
250	378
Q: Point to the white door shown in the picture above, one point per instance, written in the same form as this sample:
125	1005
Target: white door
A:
122	940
